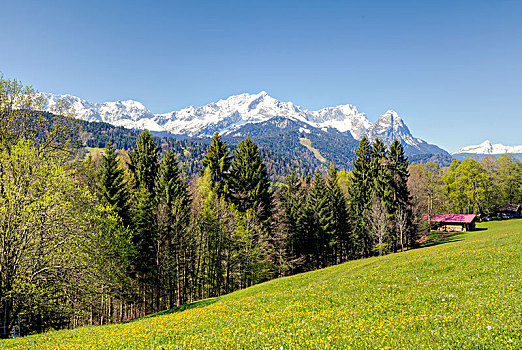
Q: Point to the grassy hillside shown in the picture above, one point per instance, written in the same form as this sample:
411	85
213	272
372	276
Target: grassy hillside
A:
462	293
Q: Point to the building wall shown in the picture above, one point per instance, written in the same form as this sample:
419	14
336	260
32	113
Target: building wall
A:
452	227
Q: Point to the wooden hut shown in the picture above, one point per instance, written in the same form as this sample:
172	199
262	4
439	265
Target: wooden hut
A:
510	211
453	222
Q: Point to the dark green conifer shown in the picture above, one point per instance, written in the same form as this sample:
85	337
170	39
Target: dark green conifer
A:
400	194
144	234
380	173
315	224
111	185
172	215
217	160
248	184
144	161
340	231
361	191
291	200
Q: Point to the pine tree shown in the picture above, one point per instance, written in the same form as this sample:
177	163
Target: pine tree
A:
361	192
248	184
217	161
339	213
111	185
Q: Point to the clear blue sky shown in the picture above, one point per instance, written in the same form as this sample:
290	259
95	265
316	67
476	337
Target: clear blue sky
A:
452	69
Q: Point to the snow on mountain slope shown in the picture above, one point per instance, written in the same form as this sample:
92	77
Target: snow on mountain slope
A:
226	116
129	113
390	126
487	147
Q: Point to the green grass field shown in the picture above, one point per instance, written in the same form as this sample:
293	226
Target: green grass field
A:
465	293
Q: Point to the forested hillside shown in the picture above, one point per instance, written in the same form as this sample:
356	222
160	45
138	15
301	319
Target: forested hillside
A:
281	142
144	227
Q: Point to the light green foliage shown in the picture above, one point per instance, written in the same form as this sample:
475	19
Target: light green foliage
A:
250	249
462	294
508	176
40	226
466	186
23	117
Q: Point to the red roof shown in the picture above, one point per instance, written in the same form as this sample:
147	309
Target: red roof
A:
460	218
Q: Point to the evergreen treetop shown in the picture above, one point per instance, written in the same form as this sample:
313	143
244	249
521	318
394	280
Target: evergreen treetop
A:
217	162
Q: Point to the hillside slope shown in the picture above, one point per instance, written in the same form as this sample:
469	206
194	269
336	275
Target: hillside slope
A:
465	293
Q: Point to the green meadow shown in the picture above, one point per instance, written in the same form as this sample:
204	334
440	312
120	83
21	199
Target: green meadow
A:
464	292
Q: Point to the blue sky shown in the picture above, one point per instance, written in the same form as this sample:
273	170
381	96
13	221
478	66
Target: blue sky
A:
452	69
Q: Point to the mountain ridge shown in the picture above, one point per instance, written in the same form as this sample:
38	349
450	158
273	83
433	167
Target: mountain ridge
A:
226	116
487	147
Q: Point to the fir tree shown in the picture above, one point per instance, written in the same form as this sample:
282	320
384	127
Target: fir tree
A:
217	161
111	185
248	184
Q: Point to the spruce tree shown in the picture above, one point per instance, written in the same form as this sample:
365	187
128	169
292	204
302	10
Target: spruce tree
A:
290	198
144	237
400	194
144	161
111	185
217	161
380	174
172	215
382	183
339	213
361	191
248	184
315	224
144	166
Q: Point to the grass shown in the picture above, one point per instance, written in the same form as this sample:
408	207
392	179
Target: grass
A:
308	144
465	293
93	151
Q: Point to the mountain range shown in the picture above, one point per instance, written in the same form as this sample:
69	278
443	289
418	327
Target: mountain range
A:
232	116
486	148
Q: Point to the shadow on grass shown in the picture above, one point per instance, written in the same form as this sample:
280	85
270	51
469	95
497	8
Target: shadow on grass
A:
440	241
438	238
194	305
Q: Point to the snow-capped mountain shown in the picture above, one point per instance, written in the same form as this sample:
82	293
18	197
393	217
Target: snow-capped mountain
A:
488	148
228	115
129	113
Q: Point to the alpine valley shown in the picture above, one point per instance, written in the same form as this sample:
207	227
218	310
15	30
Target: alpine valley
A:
325	135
